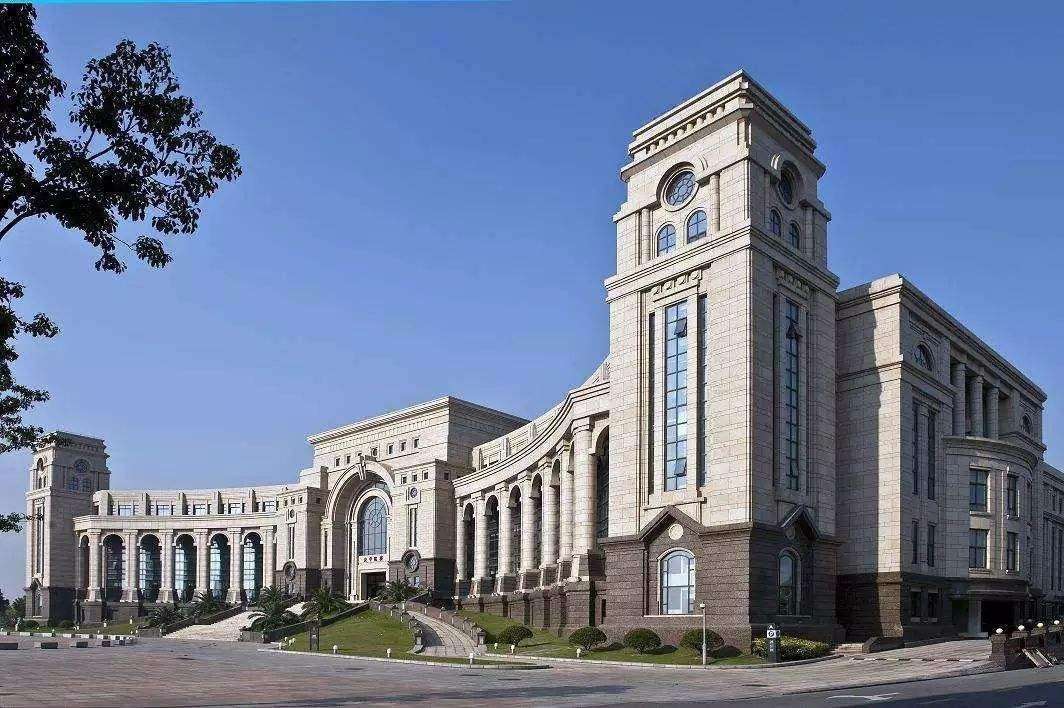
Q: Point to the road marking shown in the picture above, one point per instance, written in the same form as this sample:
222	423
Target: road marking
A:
1033	704
875	697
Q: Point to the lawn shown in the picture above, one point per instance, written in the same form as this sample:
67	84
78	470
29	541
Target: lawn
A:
370	633
545	644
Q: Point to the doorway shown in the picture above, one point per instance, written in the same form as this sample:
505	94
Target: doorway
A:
997	613
372	584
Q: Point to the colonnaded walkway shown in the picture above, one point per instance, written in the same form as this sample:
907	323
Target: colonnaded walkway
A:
184	673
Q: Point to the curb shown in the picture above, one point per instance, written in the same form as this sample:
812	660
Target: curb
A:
514	666
683	667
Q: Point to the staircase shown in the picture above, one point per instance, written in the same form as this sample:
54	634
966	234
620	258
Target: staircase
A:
227	630
849	649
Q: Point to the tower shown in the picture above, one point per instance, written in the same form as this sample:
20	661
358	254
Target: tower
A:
722	351
65	472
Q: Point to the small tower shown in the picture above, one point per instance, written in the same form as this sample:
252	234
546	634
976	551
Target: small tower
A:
65	471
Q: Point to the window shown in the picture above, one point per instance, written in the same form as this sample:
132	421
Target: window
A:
402	445
676	396
373	452
791	382
236	508
680	188
915	602
1026	424
336	463
651	411
1012	551
785	186
86	484
73	484
270	505
923	358
666	239
702	404
696	226
931	545
417	442
347	459
150	568
776	223
602	492
916	448
916	542
127	509
38	537
787	586
373	528
391	448
932	473
200	510
218	566
977	490
977	548
113	555
412	542
932	606
677	583
1029	501
795	235
1011	502
164	509
36	601
291	541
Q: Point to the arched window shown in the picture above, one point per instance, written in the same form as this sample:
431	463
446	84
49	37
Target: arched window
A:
515	531
795	235
113	554
787	186
373	528
677	590
491	510
252	570
602	491
924	359
666	239
86	484
536	509
185	567
150	568
789	572
36	601
776	223
696	226
218	579
73	484
1028	427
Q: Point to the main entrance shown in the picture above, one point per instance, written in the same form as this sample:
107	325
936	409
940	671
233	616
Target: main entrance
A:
372	584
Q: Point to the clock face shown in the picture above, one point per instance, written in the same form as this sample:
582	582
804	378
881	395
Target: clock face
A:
81	466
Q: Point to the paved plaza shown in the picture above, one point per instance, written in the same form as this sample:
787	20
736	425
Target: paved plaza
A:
185	673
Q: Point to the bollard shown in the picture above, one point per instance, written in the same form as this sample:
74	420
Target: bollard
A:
336	649
389	652
513	648
496	646
578	652
471	655
280	646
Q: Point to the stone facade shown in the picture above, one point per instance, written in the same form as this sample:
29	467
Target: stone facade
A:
757	444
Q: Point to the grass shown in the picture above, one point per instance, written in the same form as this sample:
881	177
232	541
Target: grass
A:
372	634
545	645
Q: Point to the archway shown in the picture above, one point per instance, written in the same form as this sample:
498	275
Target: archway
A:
515	531
536	509
491	512
602	486
218	578
185	567
469	529
150	568
371	548
113	562
252	570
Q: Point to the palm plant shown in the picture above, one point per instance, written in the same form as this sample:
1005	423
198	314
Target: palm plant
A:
397	591
273	616
162	616
269	595
322	604
204	604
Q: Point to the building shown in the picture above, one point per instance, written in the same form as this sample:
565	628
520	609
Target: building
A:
843	464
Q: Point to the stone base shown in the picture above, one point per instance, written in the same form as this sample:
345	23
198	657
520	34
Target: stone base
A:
505	584
879	605
91	612
547	575
528	579
462	588
559	609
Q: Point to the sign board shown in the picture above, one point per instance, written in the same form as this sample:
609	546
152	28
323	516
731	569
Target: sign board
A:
772	644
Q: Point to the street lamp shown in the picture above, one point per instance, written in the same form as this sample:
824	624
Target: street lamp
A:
702	606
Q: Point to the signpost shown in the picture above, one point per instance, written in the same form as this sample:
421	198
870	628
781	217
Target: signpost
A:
772	644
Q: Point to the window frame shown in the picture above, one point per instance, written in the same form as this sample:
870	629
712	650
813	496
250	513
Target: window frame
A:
978	486
690	587
794	602
666	232
703	222
977	549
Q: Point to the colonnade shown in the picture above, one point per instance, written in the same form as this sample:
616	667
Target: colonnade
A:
976	404
549	511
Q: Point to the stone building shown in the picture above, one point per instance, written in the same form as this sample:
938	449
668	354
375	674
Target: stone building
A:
843	464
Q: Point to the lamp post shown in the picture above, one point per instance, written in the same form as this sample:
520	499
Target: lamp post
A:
702	606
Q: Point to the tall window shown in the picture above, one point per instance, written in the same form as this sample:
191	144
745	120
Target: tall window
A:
150	571
1011	493
676	396
164	509
775	223
1012	550
696	226
291	541
491	511
916	448
977	548
795	235
373	528
677	583
127	509
651	399
113	557
515	533
791	383
787	592
931	545
932	472
932	606
218	580
412	541
666	239
73	484
537	526
916	542
36	601
252	570
977	490
703	403
915	602
602	492
184	567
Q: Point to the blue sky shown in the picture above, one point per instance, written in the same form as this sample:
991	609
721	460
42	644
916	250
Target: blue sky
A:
427	197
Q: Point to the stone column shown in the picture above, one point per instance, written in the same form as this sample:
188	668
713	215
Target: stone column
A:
976	396
992	420
131	584
236	568
960	400
527	539
203	559
166	557
645	235
584	511
504	579
268	561
461	572
565	543
95	593
548	529
714	202
480	548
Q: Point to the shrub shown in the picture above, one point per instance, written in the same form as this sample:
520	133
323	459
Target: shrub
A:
66	624
27	625
587	637
642	640
692	639
163	615
794	649
514	634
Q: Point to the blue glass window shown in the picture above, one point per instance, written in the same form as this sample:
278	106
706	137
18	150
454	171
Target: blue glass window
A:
666	239
696	226
785	187
677	583
676	396
795	235
373	528
776	223
680	188
791	382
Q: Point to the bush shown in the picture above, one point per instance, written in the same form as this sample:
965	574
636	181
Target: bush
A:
642	640
66	624
692	639
794	649
514	634
27	625
587	637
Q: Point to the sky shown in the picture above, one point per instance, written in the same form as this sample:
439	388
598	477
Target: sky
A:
427	197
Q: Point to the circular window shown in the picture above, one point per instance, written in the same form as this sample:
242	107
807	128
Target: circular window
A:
680	188
786	187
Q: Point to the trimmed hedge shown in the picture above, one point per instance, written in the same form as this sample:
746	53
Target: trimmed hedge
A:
793	649
587	637
514	634
642	640
692	639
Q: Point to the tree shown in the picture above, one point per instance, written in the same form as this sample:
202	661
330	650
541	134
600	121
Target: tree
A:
12	522
395	591
204	605
3	604
163	615
272	617
322	604
515	634
136	154
587	637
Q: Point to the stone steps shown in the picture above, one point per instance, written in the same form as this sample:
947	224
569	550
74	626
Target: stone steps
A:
227	630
